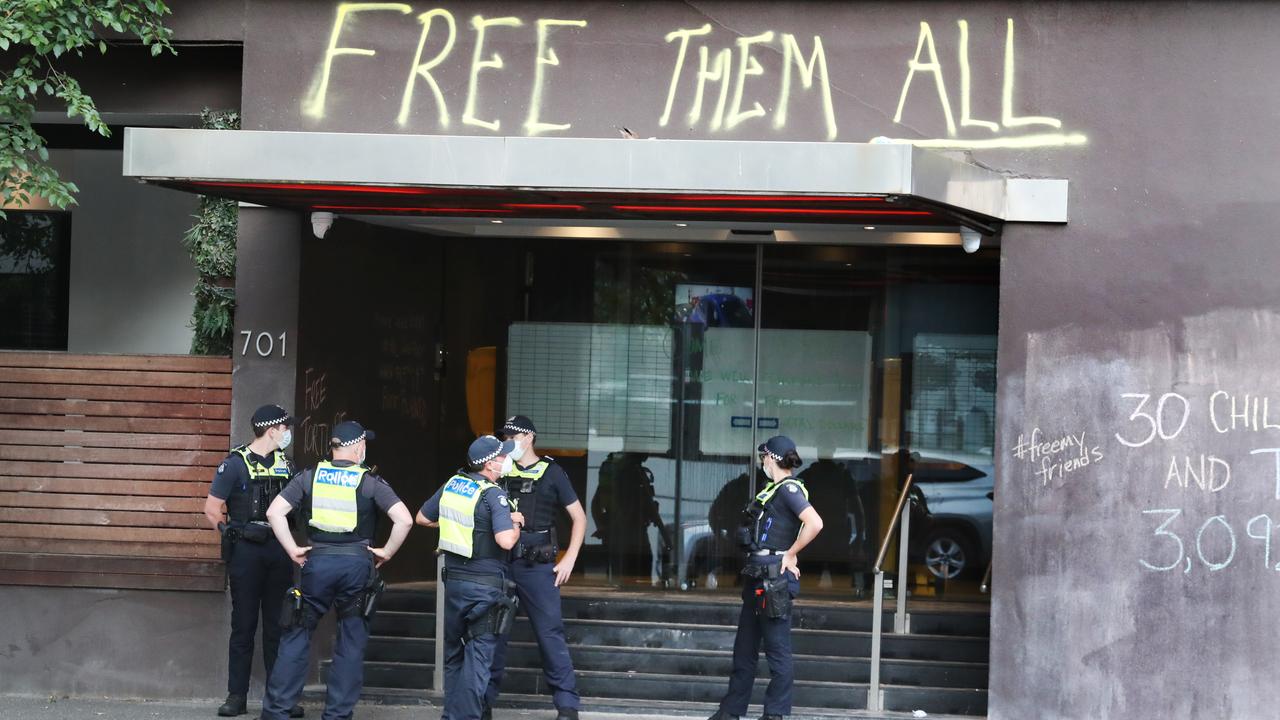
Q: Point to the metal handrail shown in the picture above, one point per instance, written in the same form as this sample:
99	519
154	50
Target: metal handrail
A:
893	524
901	621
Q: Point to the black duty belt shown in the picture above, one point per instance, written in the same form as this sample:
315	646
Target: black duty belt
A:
497	581
354	548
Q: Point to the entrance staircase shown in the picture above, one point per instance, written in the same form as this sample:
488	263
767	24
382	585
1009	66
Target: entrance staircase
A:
652	649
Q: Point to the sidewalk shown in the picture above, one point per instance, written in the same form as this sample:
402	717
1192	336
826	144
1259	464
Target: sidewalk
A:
26	707
13	707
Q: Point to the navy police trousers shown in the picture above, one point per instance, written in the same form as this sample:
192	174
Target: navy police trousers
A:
466	663
328	580
540	599
260	573
775	635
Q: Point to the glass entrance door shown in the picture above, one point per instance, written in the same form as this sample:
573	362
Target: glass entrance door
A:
653	370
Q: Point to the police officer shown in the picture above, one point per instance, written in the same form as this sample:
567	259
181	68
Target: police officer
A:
776	526
339	501
477	528
246	483
537	488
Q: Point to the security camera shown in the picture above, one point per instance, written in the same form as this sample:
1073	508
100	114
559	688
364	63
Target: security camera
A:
322	221
970	240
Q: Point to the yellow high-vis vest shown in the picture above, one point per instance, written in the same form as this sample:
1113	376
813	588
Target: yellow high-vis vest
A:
458	514
333	497
279	468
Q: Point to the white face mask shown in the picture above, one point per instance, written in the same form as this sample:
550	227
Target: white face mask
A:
286	438
518	451
507	464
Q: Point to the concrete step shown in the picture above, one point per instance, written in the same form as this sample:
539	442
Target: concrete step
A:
648	708
723	610
687	689
391	627
405	670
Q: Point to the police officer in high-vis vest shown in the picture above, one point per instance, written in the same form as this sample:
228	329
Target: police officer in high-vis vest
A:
246	483
538	488
776	526
339	500
477	529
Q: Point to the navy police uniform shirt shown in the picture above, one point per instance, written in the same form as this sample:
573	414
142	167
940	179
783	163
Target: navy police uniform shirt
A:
233	474
493	515
373	486
788	499
561	490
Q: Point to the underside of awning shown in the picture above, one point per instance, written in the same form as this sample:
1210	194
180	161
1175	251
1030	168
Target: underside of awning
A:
584	180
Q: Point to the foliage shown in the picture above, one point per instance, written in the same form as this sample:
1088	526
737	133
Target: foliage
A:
36	35
212	244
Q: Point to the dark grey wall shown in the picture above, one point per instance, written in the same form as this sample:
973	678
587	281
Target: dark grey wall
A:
123	643
268	250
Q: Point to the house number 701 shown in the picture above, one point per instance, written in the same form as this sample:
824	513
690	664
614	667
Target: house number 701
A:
263	342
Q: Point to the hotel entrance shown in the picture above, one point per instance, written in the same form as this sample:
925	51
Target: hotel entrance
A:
653	368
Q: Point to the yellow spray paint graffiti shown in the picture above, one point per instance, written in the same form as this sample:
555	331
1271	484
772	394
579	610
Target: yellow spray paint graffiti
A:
729	81
1007	117
423	70
313	106
546	56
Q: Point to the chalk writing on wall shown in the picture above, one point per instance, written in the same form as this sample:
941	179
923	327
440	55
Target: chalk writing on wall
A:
1182	535
759	80
318	420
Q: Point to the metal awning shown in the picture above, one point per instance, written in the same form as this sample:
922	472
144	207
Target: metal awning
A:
591	179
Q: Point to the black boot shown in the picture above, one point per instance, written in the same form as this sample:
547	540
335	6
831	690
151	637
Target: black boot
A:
296	712
566	714
235	705
486	713
722	715
770	717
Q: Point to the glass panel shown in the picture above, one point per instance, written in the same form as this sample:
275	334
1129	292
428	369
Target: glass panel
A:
611	371
35	269
879	362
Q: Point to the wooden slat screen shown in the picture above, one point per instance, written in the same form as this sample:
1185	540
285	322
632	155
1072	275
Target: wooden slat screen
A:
105	461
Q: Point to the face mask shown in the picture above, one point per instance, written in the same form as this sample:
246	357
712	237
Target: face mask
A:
286	438
519	449
363	455
507	464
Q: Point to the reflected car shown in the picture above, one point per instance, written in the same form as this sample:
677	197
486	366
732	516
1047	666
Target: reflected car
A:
951	519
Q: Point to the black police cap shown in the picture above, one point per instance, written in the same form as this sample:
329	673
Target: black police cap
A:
271	415
517	424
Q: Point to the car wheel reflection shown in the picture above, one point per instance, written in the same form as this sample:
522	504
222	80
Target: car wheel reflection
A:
946	556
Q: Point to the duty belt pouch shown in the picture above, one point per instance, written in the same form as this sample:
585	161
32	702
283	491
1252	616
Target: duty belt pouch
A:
228	545
255	533
777	598
539	552
291	613
507	607
372	592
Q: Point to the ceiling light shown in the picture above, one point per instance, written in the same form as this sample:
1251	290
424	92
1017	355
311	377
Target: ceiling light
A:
868	227
496	222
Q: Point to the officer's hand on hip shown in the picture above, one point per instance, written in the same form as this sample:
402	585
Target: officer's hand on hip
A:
299	555
790	562
564	569
381	554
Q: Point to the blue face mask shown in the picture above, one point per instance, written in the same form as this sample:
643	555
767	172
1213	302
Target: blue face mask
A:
286	438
